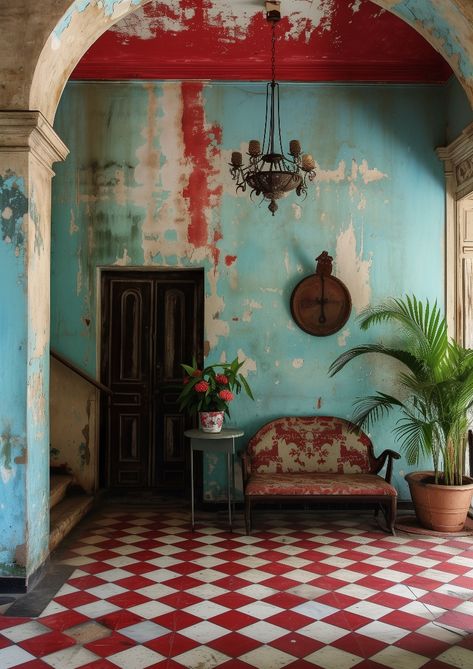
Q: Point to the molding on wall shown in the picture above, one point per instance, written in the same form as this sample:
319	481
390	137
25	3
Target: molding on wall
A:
29	131
312	71
457	158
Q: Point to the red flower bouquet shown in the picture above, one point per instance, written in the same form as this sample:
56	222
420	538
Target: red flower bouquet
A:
212	388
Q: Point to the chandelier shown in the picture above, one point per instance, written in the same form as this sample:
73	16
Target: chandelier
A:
270	172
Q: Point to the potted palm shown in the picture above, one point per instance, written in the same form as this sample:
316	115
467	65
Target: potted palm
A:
209	391
436	392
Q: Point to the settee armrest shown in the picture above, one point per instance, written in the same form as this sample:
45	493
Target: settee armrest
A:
245	467
388	455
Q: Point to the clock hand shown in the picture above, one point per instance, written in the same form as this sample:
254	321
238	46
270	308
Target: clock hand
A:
322	318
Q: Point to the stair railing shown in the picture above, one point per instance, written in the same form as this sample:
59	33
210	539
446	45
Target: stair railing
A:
80	372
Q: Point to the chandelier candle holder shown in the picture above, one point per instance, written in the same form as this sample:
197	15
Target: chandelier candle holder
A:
270	172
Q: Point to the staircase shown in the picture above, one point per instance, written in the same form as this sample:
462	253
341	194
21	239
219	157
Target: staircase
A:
67	505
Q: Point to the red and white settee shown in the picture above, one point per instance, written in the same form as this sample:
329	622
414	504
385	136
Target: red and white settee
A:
314	458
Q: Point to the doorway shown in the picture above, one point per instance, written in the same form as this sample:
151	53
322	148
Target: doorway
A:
152	321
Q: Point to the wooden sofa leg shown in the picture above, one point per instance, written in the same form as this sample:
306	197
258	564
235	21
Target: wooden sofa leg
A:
248	515
392	511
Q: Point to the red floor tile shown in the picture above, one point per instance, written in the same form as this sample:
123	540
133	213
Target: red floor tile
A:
172	644
318	545
42	645
234	644
297	644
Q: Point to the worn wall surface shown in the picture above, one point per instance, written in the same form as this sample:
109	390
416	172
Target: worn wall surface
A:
147	183
28	145
13	339
73	403
459	111
40	46
55	46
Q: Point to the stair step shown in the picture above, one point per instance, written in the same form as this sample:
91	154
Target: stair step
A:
57	487
65	515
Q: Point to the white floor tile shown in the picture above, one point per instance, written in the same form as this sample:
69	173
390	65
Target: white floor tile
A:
260	610
399	658
72	658
263	632
112	575
314	610
197	658
383	632
204	632
333	658
138	657
13	656
207	591
206	610
267	657
323	632
25	631
257	591
151	609
106	590
369	610
96	609
456	656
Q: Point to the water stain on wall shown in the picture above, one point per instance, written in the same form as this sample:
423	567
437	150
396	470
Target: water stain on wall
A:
13	206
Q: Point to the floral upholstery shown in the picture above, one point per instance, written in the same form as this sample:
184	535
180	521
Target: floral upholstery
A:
322	444
308	483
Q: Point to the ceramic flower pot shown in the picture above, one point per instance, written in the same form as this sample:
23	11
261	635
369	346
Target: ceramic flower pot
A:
211	421
442	508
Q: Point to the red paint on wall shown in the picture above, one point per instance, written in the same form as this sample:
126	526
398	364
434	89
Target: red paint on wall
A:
229	260
201	145
368	44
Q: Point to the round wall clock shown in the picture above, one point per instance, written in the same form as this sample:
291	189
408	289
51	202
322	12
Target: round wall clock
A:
321	303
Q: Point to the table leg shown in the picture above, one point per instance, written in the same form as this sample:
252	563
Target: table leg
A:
229	489
192	488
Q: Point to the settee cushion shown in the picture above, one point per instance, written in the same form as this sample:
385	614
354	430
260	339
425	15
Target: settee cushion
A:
324	444
310	483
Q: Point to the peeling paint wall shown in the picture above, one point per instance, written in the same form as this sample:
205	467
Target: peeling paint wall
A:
55	47
14	207
73	426
37	397
147	183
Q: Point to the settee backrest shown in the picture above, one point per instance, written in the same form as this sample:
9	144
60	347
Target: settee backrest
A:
310	444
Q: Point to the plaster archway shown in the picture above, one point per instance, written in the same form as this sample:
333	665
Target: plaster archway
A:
446	24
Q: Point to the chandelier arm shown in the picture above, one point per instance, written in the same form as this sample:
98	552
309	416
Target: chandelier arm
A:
271	118
273	85
279	125
263	146
269	173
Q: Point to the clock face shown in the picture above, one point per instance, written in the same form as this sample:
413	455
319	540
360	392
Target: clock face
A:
320	305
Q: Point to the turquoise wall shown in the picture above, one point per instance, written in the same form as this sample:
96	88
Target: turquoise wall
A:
13	341
459	111
146	183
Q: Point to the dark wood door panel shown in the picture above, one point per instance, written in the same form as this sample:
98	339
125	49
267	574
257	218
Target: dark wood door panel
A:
129	377
151	322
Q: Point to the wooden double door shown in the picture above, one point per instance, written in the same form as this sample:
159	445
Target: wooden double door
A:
152	321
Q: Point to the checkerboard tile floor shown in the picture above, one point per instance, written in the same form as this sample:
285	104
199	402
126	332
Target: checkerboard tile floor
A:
305	590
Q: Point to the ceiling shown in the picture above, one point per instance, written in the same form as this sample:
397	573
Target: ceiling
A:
318	40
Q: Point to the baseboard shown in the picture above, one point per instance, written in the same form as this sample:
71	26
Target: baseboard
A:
22	584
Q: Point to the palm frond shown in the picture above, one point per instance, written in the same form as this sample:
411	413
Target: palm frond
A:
415	436
370	409
425	328
405	357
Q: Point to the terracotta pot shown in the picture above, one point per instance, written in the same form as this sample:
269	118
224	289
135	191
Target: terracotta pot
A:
211	421
442	508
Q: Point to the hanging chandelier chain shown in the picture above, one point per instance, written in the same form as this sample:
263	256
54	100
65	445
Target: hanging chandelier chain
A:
270	173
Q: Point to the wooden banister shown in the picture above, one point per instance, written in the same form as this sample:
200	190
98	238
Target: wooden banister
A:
80	372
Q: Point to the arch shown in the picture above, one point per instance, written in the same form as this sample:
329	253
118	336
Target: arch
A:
446	24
